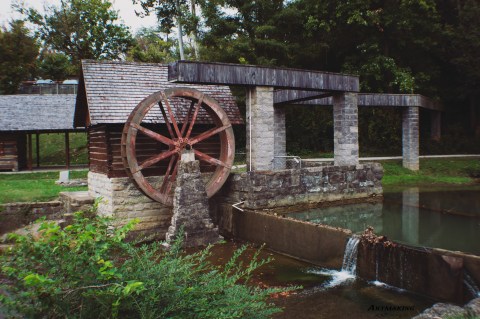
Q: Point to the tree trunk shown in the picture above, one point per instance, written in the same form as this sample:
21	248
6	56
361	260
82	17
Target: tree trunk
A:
194	32
179	27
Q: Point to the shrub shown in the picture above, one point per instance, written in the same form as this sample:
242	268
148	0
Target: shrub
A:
88	270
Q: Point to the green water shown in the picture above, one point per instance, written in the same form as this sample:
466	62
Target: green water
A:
440	217
354	298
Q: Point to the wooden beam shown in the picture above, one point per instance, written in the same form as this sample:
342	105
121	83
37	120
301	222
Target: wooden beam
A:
30	151
37	144
67	150
294	96
381	100
254	75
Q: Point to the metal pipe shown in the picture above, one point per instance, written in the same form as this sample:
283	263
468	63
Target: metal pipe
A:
236	206
297	159
250	129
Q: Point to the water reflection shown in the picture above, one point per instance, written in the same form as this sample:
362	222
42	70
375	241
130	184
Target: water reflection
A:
444	217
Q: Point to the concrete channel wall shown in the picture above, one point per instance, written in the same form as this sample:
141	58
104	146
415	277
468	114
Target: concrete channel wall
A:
265	195
437	273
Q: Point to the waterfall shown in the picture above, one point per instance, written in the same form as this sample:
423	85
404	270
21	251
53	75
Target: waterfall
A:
349	264
471	285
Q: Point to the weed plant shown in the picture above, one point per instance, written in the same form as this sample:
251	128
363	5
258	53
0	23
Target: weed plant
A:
88	270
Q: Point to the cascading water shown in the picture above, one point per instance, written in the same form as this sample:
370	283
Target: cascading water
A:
350	257
471	285
349	265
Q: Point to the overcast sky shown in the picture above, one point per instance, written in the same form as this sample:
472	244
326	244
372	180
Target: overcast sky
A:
125	7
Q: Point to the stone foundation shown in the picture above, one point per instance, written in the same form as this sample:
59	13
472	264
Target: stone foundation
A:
307	186
121	199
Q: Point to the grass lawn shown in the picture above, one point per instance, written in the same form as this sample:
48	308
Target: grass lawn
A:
31	187
52	149
432	171
40	186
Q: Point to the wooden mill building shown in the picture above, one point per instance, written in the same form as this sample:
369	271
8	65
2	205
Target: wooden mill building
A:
107	94
25	115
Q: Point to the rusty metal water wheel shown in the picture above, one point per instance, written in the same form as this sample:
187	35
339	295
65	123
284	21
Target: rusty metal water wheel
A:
179	138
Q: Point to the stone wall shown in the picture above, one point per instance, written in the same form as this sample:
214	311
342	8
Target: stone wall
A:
307	186
17	215
121	199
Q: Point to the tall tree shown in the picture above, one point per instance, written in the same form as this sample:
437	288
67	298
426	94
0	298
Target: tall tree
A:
55	66
18	53
150	47
81	29
462	47
174	13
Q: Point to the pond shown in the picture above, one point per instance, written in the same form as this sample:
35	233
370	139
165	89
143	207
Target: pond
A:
325	294
437	217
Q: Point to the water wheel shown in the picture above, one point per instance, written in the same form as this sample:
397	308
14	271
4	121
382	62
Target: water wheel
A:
191	104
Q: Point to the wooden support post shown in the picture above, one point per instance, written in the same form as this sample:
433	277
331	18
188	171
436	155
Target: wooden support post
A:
30	155
67	150
37	142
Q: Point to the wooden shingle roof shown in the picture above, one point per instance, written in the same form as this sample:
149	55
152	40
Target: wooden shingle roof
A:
26	112
109	91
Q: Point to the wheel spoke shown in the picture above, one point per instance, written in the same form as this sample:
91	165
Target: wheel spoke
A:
154	159
208	134
197	108
185	121
207	158
167	174
152	134
165	119
170	113
172	178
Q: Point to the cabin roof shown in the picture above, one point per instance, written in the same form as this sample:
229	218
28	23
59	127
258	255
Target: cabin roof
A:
109	91
25	112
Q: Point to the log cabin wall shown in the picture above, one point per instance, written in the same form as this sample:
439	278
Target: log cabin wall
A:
12	151
105	149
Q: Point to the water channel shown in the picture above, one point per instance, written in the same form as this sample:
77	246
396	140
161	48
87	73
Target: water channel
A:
440	217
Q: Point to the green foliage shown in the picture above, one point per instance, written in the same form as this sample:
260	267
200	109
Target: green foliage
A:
52	148
81	29
150	47
55	66
18	53
432	171
32	187
87	270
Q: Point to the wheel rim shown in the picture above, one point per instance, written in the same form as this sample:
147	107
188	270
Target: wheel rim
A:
178	139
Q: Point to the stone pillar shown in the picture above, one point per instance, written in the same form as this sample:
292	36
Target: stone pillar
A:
436	125
280	142
190	207
260	128
410	215
410	140
345	122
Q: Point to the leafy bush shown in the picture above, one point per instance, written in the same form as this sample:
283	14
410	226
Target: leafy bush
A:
88	270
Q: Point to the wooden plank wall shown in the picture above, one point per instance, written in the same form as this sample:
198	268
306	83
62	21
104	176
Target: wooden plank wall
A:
9	152
105	149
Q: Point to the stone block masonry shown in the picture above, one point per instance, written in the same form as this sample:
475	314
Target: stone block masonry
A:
191	208
121	199
410	138
345	122
260	128
307	186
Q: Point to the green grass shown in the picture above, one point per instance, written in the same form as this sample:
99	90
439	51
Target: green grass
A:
52	149
432	171
31	187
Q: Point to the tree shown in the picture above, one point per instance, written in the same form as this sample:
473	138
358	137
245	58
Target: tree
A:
175	13
18	53
461	47
81	29
55	66
150	47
